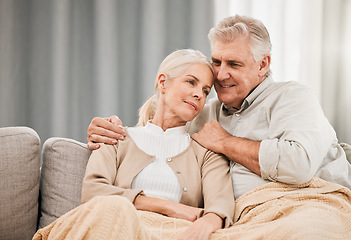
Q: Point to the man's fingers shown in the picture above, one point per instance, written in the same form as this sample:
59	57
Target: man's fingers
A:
103	130
93	146
117	133
109	129
115	120
102	127
101	139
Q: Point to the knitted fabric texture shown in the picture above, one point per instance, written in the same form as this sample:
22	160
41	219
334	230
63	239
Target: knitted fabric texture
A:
315	210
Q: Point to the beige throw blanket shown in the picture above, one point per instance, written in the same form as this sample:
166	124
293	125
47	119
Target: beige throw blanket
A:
316	210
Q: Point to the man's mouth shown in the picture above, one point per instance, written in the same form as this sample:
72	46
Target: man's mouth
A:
226	86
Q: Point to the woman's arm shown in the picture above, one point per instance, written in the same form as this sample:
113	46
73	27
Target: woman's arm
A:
217	187
218	198
101	173
167	207
200	229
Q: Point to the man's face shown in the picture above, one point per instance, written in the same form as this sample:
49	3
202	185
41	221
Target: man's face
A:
236	71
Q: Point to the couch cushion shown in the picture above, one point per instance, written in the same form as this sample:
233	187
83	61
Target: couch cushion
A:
62	173
19	184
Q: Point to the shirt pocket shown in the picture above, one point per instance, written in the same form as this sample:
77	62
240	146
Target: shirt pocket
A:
253	125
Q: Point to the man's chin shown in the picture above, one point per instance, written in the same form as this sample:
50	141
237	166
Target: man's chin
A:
223	98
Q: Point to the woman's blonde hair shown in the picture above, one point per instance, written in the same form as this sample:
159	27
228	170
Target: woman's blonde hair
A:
172	66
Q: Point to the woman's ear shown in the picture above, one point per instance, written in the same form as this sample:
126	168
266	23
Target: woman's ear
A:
162	82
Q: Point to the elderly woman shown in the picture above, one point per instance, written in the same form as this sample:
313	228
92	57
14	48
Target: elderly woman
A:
182	190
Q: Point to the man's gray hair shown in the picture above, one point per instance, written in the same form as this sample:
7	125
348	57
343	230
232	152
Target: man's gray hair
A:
236	26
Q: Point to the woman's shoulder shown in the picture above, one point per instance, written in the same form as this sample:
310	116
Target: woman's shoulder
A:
205	156
120	145
199	149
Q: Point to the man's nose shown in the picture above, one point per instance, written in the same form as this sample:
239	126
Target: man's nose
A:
222	73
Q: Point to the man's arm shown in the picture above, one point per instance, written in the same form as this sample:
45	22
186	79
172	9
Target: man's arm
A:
105	130
243	151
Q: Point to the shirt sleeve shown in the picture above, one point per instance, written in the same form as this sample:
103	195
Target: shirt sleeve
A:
299	137
217	187
101	173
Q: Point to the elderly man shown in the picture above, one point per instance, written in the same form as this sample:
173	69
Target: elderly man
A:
271	131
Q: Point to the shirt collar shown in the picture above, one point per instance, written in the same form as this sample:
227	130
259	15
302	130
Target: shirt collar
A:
249	99
176	131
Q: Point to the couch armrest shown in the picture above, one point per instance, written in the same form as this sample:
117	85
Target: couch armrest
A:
19	184
62	173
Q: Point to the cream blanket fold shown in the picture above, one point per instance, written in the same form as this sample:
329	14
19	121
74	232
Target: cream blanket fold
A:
315	210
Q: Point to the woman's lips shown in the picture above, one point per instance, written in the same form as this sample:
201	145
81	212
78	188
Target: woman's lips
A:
191	104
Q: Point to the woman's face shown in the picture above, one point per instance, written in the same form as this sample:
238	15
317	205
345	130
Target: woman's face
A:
185	96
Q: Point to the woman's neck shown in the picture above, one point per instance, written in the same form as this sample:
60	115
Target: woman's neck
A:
166	122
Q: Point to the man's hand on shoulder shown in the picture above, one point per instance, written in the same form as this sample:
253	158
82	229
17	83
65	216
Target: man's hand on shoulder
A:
211	136
241	150
105	130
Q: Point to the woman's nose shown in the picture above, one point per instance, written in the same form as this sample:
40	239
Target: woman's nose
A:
197	93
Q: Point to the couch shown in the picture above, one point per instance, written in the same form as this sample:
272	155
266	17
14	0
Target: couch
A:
38	187
31	196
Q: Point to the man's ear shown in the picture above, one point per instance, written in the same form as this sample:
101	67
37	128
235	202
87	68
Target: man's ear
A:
161	81
264	64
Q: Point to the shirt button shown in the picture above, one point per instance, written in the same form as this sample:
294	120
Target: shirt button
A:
237	114
185	189
169	159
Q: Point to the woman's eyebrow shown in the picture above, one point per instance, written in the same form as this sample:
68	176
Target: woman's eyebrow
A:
190	75
197	80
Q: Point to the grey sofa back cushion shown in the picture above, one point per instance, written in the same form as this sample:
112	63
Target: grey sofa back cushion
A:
62	173
19	182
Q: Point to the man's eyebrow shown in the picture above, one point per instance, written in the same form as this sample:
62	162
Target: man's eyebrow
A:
231	62
234	62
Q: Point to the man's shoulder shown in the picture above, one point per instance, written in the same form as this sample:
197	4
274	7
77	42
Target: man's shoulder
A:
276	89
288	85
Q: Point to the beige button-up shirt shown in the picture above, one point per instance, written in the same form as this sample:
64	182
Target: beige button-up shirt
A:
297	140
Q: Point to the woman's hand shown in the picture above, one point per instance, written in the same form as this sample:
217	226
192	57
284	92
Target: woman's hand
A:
203	227
181	211
105	130
167	207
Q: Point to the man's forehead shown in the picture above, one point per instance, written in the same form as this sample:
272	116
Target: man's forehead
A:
224	57
235	51
223	50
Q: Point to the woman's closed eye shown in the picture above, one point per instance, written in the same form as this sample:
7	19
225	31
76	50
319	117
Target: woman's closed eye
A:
192	82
